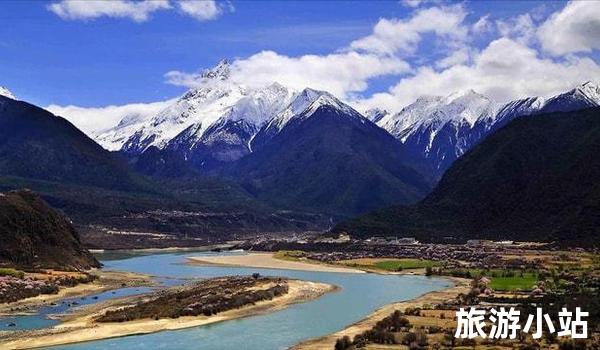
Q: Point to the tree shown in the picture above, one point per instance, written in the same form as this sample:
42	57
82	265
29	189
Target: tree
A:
343	343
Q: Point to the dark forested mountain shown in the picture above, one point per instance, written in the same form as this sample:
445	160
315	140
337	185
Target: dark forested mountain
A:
36	144
441	129
535	179
73	173
322	155
33	235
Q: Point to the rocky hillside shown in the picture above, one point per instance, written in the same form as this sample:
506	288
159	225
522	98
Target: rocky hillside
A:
33	235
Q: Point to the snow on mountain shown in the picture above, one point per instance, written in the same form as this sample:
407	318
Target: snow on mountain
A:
512	109
376	114
253	111
432	113
6	93
199	106
437	128
583	96
305	104
230	136
114	138
441	129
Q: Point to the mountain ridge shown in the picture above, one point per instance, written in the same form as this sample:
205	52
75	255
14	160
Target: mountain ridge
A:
533	179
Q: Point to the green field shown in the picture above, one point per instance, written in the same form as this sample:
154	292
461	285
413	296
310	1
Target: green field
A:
525	282
404	264
501	280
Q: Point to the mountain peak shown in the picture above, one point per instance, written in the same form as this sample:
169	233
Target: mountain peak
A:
6	93
468	96
376	114
310	100
221	71
305	104
589	89
582	96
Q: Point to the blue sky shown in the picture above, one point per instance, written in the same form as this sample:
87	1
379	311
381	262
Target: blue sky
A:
46	59
370	53
114	61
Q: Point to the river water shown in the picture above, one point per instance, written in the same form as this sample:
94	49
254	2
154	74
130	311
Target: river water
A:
360	295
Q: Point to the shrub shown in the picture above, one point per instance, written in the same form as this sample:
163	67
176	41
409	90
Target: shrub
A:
409	338
343	343
434	329
12	273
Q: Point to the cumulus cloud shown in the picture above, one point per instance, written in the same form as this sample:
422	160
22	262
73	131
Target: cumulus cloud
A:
506	69
510	66
138	11
411	3
348	71
576	28
339	73
459	56
520	28
95	119
391	36
201	10
483	25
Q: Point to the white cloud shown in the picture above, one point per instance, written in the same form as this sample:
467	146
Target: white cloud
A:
504	70
339	73
411	3
520	28
459	56
576	28
138	11
391	36
94	119
203	10
348	71
483	25
509	67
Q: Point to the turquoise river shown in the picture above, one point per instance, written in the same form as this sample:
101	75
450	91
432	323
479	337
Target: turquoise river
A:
360	294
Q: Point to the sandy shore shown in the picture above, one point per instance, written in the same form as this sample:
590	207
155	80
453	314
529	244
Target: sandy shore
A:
81	327
106	280
328	341
268	261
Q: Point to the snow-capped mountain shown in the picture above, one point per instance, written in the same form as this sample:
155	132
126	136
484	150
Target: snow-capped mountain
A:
441	129
302	107
376	114
434	112
222	121
201	106
436	128
583	96
525	106
229	137
6	93
113	139
321	153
